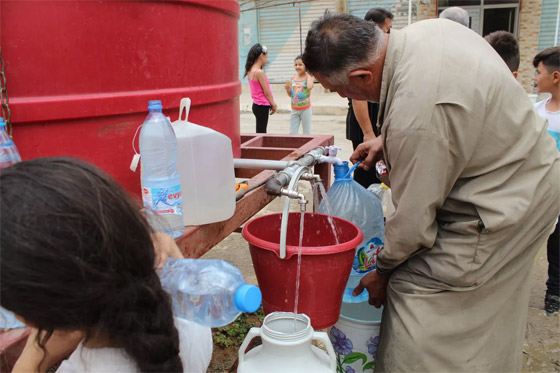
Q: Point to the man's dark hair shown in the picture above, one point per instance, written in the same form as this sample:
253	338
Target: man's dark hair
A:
550	58
339	43
378	15
507	47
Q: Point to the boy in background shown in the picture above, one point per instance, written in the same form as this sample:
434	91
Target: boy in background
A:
507	47
547	63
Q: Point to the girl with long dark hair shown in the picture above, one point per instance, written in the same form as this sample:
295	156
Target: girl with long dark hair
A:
263	101
78	265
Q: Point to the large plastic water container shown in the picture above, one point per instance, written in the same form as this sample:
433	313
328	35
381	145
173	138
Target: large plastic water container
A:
205	163
209	292
161	185
286	347
355	337
349	200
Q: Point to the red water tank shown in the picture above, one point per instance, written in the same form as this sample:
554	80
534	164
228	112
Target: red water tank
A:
80	73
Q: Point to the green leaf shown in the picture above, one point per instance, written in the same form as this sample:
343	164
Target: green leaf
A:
354	356
369	365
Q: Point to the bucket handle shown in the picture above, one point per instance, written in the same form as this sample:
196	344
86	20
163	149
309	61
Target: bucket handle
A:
185	105
324	338
253	332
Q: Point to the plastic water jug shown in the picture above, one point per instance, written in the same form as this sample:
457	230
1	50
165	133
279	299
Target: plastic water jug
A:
9	154
350	201
383	192
286	347
209	292
205	163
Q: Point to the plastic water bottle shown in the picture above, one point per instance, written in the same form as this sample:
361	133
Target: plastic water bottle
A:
9	154
8	320
161	185
209	292
350	201
383	192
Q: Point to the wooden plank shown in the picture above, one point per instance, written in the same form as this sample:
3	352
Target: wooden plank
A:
198	240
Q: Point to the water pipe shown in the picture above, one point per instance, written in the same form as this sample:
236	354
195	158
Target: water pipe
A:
291	192
263	164
282	178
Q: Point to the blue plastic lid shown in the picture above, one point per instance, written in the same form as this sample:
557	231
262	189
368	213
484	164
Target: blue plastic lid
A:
340	172
248	298
154	104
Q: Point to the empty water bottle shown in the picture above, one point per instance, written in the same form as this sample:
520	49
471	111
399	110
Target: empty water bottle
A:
383	192
9	154
209	292
161	185
350	201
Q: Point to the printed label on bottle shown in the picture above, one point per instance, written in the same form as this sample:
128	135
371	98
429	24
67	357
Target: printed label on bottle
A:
366	257
163	201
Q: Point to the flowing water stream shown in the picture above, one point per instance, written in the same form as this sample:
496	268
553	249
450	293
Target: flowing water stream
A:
317	187
298	268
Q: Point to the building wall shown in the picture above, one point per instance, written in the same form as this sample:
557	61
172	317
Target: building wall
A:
528	35
529	21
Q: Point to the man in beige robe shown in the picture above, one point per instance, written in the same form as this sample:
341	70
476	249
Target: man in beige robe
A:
475	181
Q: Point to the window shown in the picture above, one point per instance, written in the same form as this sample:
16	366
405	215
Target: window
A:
487	16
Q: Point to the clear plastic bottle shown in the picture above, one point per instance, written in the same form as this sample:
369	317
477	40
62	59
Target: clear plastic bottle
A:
350	201
161	185
383	192
9	154
209	292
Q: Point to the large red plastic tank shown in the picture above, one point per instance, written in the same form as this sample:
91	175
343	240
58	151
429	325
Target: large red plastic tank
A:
80	73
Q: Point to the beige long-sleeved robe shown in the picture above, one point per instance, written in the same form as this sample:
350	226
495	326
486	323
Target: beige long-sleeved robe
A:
476	185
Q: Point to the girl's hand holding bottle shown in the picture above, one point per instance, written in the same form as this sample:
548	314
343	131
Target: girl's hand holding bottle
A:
164	247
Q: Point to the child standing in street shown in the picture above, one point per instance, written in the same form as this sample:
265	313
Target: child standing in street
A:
299	89
263	101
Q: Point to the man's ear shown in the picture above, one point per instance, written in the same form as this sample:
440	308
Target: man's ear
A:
556	76
360	76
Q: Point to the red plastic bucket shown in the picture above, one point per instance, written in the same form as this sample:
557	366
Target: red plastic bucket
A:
325	265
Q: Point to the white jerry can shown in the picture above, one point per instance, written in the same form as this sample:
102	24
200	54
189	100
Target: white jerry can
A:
205	165
286	347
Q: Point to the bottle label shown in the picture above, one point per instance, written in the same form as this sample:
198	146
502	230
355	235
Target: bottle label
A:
366	257
163	201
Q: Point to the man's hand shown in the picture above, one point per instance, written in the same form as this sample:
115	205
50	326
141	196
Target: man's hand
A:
164	247
369	152
376	286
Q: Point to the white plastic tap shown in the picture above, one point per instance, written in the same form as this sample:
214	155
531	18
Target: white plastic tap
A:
331	158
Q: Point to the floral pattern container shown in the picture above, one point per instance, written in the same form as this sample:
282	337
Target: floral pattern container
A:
355	337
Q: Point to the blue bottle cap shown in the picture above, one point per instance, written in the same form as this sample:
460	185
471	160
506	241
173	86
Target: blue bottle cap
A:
154	104
248	298
341	172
